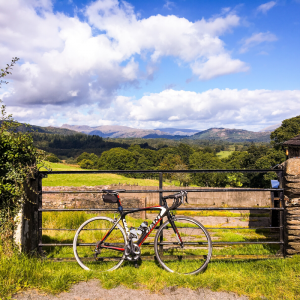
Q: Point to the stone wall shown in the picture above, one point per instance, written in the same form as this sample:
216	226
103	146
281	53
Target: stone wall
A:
142	199
88	200
292	205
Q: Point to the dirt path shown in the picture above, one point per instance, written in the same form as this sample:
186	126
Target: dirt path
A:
92	290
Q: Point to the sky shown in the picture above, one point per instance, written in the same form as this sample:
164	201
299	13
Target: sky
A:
147	64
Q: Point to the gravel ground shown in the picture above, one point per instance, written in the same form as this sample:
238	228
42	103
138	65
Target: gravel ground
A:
92	290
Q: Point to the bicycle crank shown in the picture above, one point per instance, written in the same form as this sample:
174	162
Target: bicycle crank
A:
132	252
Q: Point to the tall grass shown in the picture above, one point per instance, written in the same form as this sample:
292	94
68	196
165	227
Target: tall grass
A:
270	279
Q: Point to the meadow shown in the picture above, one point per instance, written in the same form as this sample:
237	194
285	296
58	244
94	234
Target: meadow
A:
275	278
89	179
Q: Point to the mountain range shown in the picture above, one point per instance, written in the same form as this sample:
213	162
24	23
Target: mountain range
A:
230	135
116	131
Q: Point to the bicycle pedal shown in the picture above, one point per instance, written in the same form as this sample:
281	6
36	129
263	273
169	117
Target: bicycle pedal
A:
136	265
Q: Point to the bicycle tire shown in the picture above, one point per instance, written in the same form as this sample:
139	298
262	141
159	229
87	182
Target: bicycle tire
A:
89	234
193	257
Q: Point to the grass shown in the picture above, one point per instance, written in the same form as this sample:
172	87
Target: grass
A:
272	278
89	179
224	154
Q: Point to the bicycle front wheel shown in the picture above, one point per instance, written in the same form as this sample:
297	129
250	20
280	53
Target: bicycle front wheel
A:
193	257
86	238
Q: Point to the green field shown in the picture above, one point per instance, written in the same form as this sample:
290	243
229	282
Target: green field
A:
257	279
224	154
89	179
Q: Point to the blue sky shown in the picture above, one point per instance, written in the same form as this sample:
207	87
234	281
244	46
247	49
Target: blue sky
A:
148	64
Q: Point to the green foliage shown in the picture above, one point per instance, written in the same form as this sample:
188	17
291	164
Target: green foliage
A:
116	159
66	145
201	160
52	158
86	164
288	129
18	158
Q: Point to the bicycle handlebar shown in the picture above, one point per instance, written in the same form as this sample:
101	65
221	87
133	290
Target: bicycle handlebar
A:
178	199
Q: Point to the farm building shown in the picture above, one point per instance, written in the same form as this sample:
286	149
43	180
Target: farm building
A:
293	147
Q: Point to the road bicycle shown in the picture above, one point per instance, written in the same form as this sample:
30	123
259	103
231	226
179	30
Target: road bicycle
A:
181	244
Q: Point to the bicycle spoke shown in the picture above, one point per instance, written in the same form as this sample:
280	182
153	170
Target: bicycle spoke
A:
86	239
195	253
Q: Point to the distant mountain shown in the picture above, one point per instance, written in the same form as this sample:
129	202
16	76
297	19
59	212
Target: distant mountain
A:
231	135
177	131
270	128
116	131
49	129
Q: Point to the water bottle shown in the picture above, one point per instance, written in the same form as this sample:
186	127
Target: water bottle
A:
143	227
136	233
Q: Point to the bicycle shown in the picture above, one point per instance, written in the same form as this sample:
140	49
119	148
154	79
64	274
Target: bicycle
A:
181	244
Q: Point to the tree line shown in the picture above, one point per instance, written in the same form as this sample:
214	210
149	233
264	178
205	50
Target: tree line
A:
185	157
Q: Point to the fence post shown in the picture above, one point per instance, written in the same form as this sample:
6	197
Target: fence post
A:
40	206
161	203
26	234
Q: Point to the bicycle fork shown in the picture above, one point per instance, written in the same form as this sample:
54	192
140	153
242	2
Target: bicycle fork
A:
171	220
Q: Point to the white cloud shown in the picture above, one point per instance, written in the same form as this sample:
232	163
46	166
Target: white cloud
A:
218	65
230	108
97	56
169	5
256	39
266	6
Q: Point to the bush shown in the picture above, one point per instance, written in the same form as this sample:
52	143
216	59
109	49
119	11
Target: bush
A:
18	161
52	158
86	164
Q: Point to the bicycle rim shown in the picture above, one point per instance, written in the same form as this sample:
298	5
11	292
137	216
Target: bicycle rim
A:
193	257
86	238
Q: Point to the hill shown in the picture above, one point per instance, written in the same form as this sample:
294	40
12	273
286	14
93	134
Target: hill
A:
49	129
231	135
117	131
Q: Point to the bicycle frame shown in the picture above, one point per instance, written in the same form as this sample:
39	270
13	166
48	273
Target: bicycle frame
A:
164	211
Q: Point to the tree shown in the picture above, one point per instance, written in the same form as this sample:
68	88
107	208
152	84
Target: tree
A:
169	163
86	164
18	163
185	151
116	159
183	178
288	129
201	160
52	158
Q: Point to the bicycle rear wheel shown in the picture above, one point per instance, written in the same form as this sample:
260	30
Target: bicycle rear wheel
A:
86	238
196	252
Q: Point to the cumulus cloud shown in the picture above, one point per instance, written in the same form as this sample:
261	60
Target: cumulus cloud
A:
230	108
256	39
69	61
218	65
266	6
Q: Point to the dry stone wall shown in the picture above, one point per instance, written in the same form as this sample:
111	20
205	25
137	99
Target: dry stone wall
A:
292	203
64	200
129	200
